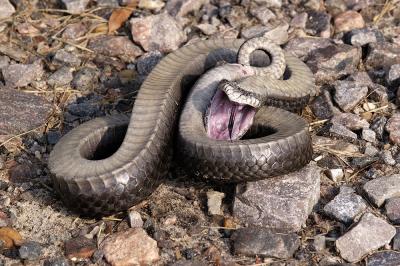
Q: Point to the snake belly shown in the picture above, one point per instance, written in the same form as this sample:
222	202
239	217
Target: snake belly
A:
94	182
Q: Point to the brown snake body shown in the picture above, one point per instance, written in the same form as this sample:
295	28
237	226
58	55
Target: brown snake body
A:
96	183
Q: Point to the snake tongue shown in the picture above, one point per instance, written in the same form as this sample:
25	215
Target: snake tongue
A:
227	120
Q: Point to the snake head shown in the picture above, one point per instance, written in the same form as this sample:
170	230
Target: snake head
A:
238	95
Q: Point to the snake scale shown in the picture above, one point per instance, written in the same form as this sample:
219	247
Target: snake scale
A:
228	130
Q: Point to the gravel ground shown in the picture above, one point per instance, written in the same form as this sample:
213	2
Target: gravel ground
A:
64	62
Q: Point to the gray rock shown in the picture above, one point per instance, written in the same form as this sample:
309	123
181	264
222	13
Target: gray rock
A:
6	9
299	20
351	121
115	46
257	241
254	31
57	262
393	76
361	162
370	150
61	77
393	127
4	61
53	137
86	109
334	7
318	23
207	29
319	243
378	93
270	3
361	78
76	6
135	219
157	32
378	125
30	250
20	75
368	135
335	175
322	106
334	62
75	30
63	57
338	130
147	62
348	94
302	47
346	206
382	55
280	203
183	7
85	78
279	34
108	3
361	37
214	202
396	240
262	13
368	235
21	112
383	188
392	208
387	157
385	258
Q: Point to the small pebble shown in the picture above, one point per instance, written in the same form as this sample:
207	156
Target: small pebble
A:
30	250
135	219
214	202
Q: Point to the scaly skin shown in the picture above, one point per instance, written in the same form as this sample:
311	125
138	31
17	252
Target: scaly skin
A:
103	186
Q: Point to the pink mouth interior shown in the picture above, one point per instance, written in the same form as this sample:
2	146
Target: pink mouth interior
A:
227	120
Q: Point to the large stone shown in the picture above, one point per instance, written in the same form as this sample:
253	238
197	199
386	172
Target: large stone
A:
385	258
20	75
348	94
318	23
346	206
157	32
339	130
334	62
302	47
20	111
348	20
383	188
393	127
184	7
61	77
322	106
257	241
361	37
368	235
382	55
130	247
349	120
116	46
282	203
6	9
262	13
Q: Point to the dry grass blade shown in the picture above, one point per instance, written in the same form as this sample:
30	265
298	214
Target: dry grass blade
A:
388	6
328	149
119	16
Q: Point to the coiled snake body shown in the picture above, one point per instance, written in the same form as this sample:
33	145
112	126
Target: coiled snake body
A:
94	182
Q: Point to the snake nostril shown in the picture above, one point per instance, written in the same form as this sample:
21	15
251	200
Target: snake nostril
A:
103	143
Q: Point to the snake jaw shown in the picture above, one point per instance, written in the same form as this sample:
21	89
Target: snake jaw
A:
227	120
238	95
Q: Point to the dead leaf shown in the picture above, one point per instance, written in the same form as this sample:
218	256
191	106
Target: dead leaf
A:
120	15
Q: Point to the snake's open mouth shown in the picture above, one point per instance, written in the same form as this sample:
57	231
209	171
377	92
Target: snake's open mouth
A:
228	120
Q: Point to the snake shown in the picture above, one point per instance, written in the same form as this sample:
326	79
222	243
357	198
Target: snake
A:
221	108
